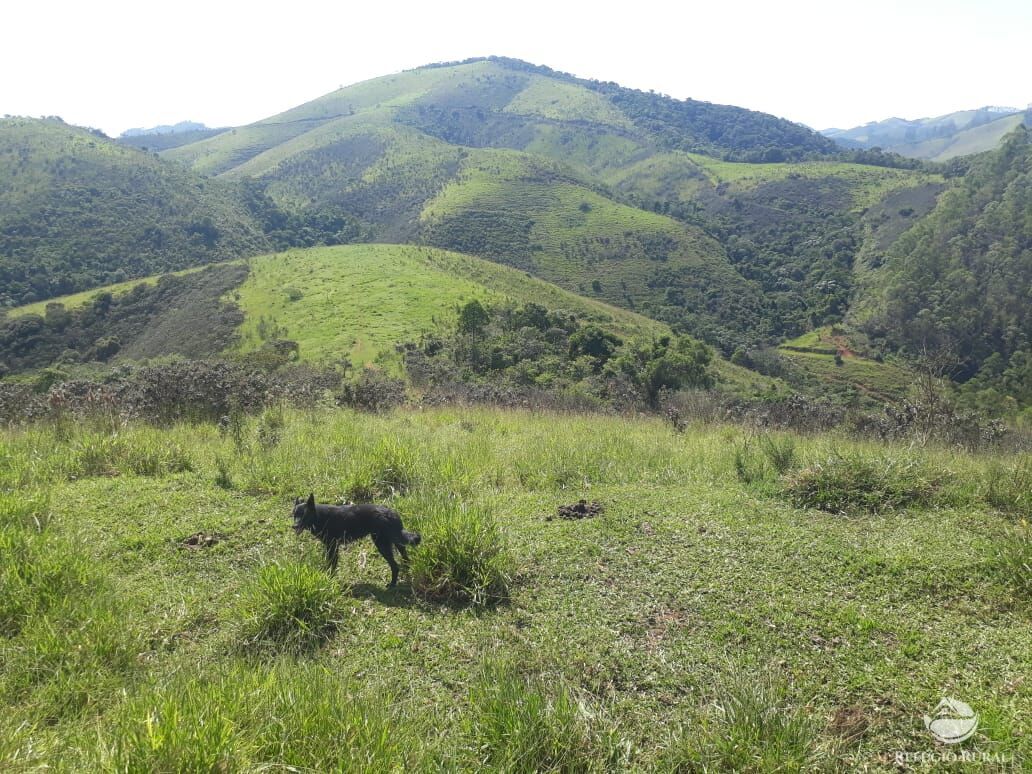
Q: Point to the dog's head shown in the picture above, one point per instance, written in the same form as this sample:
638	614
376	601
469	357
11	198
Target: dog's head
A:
304	513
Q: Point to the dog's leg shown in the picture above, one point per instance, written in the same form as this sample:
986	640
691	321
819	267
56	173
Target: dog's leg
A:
331	555
401	550
386	549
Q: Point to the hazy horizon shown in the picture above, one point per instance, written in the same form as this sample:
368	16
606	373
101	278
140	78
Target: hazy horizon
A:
229	65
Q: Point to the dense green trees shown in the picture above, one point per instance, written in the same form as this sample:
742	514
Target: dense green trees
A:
531	347
77	211
960	279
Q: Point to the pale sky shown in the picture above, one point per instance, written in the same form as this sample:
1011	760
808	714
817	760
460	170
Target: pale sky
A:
114	64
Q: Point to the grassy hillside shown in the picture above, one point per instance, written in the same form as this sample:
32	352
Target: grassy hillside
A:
358	301
84	297
602	190
702	622
536	215
175	314
156	142
795	230
78	210
826	358
508	97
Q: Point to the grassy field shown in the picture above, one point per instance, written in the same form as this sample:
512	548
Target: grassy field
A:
358	301
76	300
158	614
814	352
868	184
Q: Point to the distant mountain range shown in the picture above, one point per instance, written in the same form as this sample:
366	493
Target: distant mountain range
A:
166	136
936	139
182	126
734	226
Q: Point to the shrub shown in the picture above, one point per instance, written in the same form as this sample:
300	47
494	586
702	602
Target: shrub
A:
373	391
289	606
841	484
463	557
751	728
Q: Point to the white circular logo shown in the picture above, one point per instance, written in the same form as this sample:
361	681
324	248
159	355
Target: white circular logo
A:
952	721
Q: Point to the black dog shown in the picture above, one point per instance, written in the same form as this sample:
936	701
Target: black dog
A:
336	524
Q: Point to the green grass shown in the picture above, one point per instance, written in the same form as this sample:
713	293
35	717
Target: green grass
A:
813	354
701	621
575	236
752	727
868	184
291	606
358	301
77	300
559	101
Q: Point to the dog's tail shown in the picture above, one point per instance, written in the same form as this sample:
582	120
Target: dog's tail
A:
410	538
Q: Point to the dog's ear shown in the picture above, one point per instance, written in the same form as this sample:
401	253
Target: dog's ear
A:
298	501
311	500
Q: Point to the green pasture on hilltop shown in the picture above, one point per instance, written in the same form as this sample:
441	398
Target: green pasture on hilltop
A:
748	602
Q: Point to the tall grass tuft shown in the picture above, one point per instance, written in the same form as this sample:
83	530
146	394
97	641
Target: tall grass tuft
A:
751	728
292	716
95	454
141	453
387	470
780	451
292	607
463	558
521	724
1009	488
1014	560
857	483
35	575
25	509
155	456
748	464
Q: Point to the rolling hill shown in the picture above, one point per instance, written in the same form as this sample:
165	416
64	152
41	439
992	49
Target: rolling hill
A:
358	302
78	210
733	226
605	191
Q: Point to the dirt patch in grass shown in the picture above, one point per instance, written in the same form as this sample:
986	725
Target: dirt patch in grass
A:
581	509
202	540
